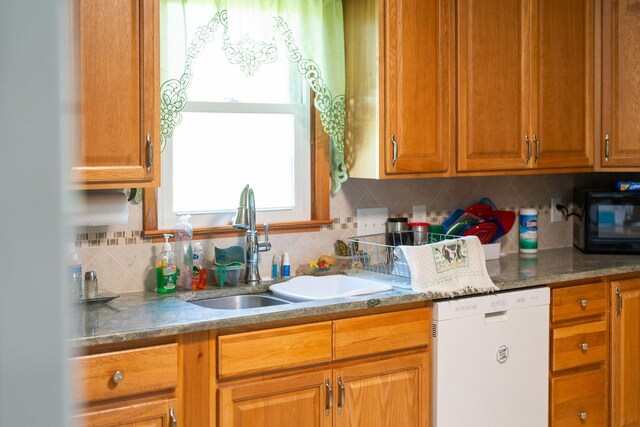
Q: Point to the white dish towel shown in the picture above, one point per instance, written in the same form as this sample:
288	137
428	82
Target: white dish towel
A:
450	267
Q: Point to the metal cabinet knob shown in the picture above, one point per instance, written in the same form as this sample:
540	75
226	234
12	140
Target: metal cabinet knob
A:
583	415
583	303
584	346
117	377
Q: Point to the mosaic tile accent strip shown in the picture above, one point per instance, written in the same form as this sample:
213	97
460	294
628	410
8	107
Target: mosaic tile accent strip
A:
111	238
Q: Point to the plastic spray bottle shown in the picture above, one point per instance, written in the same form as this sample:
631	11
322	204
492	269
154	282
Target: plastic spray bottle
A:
184	253
199	269
286	266
166	269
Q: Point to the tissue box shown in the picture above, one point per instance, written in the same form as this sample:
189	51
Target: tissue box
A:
491	251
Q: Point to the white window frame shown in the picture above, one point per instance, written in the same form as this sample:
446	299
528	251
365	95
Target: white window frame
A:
301	111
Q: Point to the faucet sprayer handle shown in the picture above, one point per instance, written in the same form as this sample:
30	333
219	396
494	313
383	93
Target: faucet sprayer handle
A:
265	246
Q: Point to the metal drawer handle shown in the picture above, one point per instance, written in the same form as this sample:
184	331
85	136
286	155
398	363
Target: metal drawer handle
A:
583	303
341	396
149	153
606	147
329	403
172	418
584	346
526	139
583	415
395	150
535	139
117	377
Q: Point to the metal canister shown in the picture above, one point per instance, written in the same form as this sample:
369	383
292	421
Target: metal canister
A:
398	232
420	232
90	285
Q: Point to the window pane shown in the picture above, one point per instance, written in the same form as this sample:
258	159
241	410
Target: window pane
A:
216	154
215	79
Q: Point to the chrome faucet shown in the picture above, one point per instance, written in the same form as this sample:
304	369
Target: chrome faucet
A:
246	220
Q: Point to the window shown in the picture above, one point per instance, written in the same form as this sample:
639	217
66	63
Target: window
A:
239	129
236	110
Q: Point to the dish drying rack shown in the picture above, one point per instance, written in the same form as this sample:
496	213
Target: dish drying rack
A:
376	252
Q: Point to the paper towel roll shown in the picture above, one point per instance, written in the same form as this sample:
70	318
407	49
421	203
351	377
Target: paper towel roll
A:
101	208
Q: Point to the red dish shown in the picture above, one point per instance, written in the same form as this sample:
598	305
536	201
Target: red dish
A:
505	218
478	209
484	231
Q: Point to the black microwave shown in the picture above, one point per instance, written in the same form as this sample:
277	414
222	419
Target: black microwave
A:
606	221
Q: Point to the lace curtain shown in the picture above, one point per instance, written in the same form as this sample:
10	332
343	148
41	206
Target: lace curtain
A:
309	32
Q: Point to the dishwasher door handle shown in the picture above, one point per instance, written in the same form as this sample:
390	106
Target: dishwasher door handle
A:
496	316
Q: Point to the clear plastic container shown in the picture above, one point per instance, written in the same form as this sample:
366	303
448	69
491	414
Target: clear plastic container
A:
227	275
184	253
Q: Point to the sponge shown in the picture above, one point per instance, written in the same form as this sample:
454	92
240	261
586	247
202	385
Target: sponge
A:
233	255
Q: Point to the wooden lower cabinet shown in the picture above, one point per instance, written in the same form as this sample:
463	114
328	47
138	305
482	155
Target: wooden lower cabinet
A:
384	393
579	400
625	353
157	413
579	351
290	401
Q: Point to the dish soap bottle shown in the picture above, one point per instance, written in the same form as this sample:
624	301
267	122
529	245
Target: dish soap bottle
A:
199	269
166	269
184	253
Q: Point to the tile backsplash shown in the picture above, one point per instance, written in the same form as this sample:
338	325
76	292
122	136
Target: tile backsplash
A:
124	259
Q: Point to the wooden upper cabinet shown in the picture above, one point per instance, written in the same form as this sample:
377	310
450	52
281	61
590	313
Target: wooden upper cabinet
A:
493	84
417	86
563	114
621	85
525	84
118	90
399	61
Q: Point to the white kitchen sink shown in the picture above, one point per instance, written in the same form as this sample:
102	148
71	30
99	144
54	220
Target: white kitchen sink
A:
314	288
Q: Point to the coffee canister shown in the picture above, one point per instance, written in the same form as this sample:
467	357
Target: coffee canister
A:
420	232
528	231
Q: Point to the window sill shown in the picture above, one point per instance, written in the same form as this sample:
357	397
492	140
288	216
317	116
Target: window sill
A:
229	231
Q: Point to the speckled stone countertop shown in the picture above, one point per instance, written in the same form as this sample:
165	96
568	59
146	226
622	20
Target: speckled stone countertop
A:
146	314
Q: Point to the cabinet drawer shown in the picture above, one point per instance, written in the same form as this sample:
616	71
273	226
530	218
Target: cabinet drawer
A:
579	400
578	345
578	301
140	370
380	333
273	349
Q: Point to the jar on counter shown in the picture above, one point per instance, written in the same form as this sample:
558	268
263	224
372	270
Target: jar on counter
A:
420	232
398	232
90	285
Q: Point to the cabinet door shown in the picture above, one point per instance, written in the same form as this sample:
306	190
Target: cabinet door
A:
386	393
291	401
418	85
621	84
493	84
625	353
563	38
148	414
118	94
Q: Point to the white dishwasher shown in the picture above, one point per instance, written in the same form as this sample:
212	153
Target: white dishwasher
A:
490	360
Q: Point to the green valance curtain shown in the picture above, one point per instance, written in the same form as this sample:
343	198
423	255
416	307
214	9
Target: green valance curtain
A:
309	32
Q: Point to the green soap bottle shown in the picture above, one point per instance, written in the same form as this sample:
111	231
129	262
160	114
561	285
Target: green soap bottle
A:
166	277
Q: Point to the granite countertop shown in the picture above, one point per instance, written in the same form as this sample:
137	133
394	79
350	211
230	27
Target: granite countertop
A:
140	315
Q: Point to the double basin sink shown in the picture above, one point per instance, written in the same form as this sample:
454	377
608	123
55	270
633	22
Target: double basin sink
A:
298	289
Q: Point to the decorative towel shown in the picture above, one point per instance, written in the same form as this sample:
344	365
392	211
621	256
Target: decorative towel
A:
451	267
